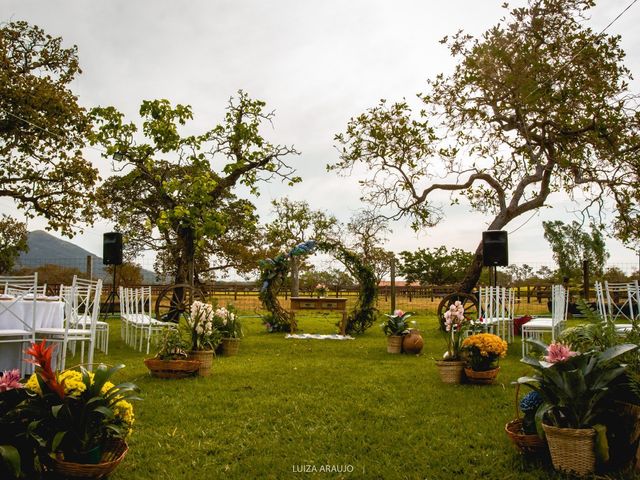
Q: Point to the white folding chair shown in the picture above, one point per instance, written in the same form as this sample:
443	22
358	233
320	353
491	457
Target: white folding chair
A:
538	326
17	323
496	307
87	309
617	301
144	325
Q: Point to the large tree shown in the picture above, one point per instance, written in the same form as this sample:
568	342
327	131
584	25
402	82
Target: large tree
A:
171	193
571	244
43	129
294	223
367	233
434	266
539	104
13	240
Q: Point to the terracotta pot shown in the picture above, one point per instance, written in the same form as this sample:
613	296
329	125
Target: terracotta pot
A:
450	371
483	378
572	450
205	357
394	344
230	346
413	342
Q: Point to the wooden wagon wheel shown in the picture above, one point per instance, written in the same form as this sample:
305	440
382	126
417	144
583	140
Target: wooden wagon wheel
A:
469	302
174	302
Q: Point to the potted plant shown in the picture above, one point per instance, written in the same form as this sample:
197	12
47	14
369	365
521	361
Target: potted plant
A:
203	335
395	327
522	431
451	366
575	388
226	322
171	361
75	422
483	352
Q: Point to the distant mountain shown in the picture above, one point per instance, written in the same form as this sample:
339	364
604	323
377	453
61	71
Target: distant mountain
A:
45	248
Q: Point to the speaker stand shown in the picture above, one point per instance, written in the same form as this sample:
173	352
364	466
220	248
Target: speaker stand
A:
111	299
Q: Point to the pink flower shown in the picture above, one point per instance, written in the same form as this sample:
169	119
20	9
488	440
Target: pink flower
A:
10	379
398	313
557	352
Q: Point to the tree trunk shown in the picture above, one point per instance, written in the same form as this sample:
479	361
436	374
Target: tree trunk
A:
295	276
186	255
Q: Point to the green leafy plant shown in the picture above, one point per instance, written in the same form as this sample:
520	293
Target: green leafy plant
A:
172	345
396	324
225	320
573	385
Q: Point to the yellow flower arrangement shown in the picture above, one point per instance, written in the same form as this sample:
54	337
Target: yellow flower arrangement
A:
484	350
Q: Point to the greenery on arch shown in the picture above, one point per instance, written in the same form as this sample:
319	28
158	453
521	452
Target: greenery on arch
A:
274	271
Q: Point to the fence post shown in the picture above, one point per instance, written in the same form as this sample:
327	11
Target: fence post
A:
393	284
89	267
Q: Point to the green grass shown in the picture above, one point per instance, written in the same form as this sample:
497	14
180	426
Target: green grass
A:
282	404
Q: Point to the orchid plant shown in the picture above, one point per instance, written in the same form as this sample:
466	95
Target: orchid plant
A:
226	321
204	335
455	326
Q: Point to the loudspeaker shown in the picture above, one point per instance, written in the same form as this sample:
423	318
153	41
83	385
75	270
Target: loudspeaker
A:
112	248
495	248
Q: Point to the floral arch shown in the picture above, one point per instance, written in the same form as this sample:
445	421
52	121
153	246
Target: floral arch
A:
274	271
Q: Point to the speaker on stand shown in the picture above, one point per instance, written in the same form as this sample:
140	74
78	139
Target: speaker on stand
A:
112	255
495	251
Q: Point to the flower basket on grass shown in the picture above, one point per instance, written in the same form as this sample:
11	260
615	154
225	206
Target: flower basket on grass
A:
74	423
395	327
522	431
451	366
483	352
226	321
171	360
204	336
574	387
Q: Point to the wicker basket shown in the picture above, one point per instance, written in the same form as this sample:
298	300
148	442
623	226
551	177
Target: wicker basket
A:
483	378
205	357
572	450
527	444
230	346
172	368
450	371
394	344
113	453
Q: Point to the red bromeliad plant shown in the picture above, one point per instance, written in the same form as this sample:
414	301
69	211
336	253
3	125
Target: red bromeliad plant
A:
42	360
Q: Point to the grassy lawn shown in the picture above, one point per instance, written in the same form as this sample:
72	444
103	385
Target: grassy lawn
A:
284	404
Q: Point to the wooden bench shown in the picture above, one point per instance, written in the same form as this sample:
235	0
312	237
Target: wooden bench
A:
323	304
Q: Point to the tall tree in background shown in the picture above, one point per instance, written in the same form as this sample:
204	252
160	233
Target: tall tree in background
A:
42	129
434	266
13	240
294	223
367	233
571	245
171	194
539	104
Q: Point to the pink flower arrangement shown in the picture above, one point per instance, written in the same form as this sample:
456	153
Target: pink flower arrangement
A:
557	352
10	380
454	317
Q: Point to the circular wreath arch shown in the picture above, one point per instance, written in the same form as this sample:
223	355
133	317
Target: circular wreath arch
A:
274	271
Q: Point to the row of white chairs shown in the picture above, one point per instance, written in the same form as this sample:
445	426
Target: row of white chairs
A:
619	301
138	327
497	307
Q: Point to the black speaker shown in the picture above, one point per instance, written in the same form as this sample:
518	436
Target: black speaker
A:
495	248
112	249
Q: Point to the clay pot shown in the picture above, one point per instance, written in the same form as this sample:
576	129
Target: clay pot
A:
412	342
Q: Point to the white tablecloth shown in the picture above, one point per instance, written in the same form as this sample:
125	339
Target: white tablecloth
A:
48	315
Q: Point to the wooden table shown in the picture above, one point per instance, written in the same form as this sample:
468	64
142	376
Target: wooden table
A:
324	304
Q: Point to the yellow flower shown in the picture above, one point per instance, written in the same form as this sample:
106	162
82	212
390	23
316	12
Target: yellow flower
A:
487	344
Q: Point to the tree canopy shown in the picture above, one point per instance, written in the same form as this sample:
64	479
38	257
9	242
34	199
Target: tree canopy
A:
42	129
571	244
170	194
434	266
538	104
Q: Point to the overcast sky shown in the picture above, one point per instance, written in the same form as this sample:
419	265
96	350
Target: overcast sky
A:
317	63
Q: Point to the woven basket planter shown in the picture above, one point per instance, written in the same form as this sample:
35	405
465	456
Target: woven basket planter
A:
230	346
527	444
450	371
486	377
112	454
572	450
205	357
394	344
172	368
